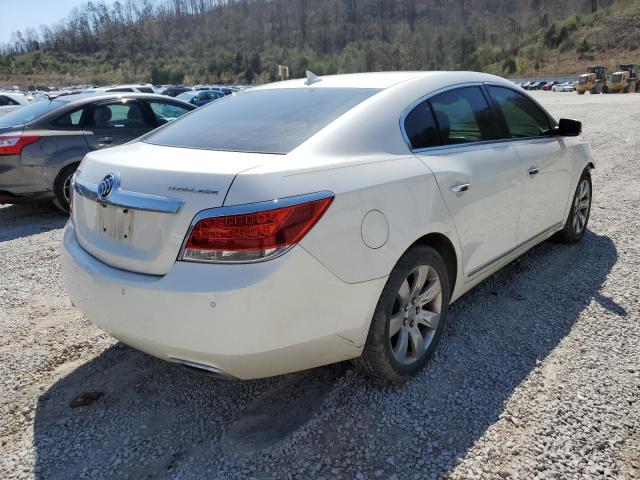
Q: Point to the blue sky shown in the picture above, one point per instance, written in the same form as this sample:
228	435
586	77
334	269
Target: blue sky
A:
19	15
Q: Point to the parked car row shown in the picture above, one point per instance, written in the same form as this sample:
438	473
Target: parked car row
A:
42	144
14	98
553	85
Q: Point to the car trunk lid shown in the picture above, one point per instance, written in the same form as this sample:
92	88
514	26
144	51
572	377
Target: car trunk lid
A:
151	194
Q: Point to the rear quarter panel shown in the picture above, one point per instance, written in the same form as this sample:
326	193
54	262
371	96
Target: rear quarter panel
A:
402	188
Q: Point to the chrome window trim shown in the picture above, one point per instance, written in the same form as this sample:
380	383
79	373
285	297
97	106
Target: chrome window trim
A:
126	199
246	208
417	102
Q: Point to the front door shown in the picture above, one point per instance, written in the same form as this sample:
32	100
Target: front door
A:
544	159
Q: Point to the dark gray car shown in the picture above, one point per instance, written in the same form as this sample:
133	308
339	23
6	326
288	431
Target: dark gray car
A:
42	144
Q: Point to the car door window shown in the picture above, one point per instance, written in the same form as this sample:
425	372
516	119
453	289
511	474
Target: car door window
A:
165	111
463	115
5	101
119	116
420	127
70	119
522	116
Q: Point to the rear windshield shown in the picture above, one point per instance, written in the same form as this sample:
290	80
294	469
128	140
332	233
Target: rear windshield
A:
261	121
26	114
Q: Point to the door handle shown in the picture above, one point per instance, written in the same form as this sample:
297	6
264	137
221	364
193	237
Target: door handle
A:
105	139
534	171
461	187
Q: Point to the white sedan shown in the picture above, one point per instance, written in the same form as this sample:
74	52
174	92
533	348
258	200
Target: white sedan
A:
564	87
10	101
313	221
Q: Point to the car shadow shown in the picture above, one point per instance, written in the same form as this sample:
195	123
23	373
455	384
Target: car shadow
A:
22	220
141	417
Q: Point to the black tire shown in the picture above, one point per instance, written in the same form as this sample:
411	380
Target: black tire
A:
580	92
377	358
59	186
569	234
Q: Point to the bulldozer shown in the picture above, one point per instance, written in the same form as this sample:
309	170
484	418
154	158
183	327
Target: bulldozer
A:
625	80
594	81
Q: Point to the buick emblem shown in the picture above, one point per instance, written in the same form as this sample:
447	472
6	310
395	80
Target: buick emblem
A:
106	185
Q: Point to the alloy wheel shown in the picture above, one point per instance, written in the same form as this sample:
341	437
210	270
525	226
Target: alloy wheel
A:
415	315
581	206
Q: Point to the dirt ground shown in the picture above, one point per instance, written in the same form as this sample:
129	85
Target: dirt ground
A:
538	375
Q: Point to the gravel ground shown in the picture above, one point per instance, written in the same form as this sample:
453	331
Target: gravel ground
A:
538	375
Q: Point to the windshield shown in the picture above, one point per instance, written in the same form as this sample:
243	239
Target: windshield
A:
616	77
24	115
261	121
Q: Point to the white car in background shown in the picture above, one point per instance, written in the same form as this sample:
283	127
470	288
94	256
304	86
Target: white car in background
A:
134	88
564	87
337	221
10	101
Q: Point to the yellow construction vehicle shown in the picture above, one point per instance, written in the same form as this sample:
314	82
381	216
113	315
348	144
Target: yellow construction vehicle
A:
625	80
594	81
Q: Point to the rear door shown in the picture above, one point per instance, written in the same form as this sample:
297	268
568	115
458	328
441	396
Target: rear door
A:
116	122
545	162
456	134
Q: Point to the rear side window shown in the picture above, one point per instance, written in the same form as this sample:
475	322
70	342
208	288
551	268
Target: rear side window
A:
71	119
522	116
421	127
463	115
4	101
261	121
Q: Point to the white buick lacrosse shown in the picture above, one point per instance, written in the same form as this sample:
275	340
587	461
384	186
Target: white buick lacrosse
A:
318	220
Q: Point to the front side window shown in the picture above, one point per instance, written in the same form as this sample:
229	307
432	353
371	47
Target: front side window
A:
124	90
118	116
261	121
145	89
523	117
166	112
463	116
421	127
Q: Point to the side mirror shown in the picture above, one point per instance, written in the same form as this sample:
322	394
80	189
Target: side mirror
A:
569	128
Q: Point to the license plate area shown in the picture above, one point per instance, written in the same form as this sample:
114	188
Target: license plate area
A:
115	223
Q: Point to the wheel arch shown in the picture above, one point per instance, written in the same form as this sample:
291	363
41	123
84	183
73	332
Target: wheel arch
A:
444	246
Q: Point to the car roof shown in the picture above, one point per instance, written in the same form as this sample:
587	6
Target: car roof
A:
94	97
384	80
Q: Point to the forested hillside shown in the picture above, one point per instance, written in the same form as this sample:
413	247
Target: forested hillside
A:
245	40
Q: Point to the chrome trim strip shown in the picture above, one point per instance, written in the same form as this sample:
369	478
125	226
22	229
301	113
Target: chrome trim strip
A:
529	243
244	209
126	199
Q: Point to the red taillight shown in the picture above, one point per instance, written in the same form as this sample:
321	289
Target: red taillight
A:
14	145
253	236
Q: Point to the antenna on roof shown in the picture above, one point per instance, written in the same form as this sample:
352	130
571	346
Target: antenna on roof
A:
312	78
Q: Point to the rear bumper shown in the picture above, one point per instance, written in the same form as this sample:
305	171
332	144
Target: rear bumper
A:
245	321
21	183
